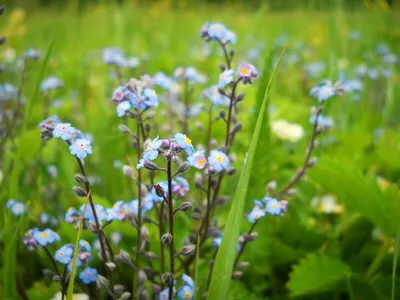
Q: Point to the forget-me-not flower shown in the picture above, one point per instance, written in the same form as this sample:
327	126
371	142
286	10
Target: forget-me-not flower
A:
81	148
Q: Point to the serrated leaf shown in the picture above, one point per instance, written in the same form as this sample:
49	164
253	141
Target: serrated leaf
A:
317	273
222	273
360	193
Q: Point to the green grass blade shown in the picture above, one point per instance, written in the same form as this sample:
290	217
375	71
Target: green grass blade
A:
31	104
70	293
226	254
395	258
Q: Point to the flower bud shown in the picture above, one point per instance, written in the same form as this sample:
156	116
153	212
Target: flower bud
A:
119	288
186	206
2	9
128	171
142	278
2	40
124	129
238	127
221	114
151	255
242	265
80	192
166	238
222	200
222	67
92	227
56	278
125	257
230	171
240	97
81	179
147	127
271	186
237	275
291	192
144	233
199	126
167	279
143	294
149	165
102	282
48	273
159	191
187	250
155	288
165	144
183	167
150	115
125	296
110	266
312	162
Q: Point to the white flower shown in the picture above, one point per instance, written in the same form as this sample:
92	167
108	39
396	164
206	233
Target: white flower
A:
287	131
326	204
74	296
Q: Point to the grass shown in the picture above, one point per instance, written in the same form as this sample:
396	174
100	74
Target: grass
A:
351	157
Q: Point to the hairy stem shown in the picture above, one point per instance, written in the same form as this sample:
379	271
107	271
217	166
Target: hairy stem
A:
171	227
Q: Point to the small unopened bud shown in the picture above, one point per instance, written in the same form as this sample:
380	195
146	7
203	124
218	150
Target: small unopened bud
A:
110	266
196	216
80	192
211	262
119	288
242	265
150	115
147	127
291	192
186	206
143	294
237	275
125	296
312	162
252	236
166	238
2	40
238	127
240	97
144	233
221	91
232	52
187	250
124	129
183	167
159	190
149	165
56	278
125	257
48	273
222	200
221	114
2	9
102	282
222	67
93	227
80	178
151	255
128	171
271	186
167	279
230	171
165	144
142	278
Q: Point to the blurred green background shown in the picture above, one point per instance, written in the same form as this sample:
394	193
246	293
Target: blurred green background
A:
311	253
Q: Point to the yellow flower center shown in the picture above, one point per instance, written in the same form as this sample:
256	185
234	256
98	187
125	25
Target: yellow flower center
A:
219	159
274	205
44	235
244	71
187	295
188	141
202	162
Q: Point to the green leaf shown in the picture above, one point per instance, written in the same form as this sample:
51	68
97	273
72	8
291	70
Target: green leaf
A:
395	258
360	193
222	273
70	293
317	273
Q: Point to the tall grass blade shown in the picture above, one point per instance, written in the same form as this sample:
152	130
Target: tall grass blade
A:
395	258
226	254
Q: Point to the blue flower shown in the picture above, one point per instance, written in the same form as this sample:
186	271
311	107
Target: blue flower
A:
17	208
247	72
186	293
72	215
113	55
116	237
255	214
151	151
275	207
323	122
119	94
164	294
218	160
88	275
32	54
101	214
216	30
141	163
315	69
7	92
64	131
46	237
187	280
123	107
184	142
81	148
180	186
225	78
84	246
65	254
217	241
372	73
324	91
197	159
150	98
354	35
215	97
50	123
51	83
162	80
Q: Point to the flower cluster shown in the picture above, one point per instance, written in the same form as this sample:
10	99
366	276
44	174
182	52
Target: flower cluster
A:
246	72
326	89
35	237
127	99
115	56
65	254
17	208
79	145
51	83
268	205
217	32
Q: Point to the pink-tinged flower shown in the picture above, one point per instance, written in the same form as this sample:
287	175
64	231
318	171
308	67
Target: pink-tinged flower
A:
247	72
198	160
